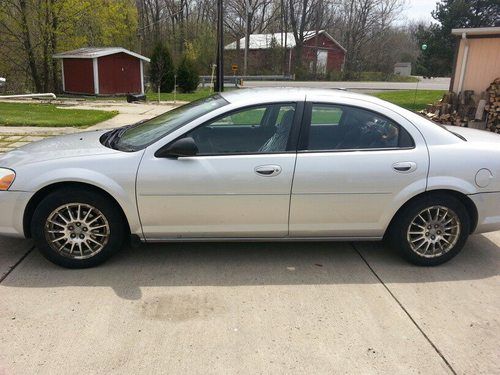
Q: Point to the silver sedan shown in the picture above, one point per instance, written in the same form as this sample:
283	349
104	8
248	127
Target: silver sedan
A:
257	165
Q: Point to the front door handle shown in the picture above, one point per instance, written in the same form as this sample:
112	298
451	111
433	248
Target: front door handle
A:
268	170
405	167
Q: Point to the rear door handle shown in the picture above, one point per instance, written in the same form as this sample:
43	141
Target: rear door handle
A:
405	167
268	170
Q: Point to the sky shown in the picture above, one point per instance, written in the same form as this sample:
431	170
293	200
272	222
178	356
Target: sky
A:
419	10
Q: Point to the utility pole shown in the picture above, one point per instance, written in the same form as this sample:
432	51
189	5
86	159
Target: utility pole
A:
219	78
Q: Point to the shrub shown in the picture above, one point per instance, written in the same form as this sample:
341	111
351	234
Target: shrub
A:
334	75
162	69
188	77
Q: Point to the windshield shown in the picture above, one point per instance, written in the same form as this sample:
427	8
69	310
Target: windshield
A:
142	135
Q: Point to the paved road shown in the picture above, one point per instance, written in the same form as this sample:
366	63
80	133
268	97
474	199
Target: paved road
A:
425	84
251	308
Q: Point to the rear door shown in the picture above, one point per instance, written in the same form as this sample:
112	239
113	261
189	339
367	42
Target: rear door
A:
357	164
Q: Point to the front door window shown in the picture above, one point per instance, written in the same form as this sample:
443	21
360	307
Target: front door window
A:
262	129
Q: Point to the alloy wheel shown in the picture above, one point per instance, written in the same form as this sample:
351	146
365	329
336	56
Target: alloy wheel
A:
434	231
77	230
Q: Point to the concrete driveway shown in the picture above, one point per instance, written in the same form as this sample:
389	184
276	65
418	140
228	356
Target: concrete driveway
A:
313	308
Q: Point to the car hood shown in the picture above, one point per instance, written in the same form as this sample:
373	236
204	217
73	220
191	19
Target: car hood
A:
475	135
66	146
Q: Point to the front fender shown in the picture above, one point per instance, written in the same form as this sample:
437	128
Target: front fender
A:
124	195
113	173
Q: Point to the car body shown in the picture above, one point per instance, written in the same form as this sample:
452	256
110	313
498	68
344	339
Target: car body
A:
312	187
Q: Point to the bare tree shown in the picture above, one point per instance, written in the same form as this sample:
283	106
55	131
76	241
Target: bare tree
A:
362	21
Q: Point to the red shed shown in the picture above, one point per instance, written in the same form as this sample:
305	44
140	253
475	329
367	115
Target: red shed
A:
102	71
319	50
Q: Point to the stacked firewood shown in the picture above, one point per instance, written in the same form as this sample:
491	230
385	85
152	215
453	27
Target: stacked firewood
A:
468	109
493	106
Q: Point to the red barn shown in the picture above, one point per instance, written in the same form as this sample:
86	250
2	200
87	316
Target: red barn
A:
102	71
319	50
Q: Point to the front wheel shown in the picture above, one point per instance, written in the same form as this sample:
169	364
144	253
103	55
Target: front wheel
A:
77	228
431	230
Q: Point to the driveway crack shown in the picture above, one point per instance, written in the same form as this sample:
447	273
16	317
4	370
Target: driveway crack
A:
3	277
436	349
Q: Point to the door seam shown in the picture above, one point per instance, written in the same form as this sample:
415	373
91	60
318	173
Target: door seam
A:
304	109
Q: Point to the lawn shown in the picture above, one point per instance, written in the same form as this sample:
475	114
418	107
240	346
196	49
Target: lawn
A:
44	115
169	97
409	100
403	98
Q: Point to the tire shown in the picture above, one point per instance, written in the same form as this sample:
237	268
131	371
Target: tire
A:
76	228
425	240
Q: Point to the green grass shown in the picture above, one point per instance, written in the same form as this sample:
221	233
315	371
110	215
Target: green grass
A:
403	98
378	76
150	95
48	115
407	98
15	114
189	97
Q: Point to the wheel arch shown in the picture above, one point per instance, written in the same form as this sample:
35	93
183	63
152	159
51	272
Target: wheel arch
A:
464	199
46	190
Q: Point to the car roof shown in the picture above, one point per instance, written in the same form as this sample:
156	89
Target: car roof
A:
283	94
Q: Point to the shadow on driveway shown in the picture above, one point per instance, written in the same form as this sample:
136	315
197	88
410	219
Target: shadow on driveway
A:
254	264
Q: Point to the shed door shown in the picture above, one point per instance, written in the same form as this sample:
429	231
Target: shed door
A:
119	74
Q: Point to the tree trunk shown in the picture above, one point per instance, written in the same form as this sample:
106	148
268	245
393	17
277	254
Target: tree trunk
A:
53	40
28	47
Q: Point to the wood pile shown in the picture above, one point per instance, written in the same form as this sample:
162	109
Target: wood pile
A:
468	109
493	106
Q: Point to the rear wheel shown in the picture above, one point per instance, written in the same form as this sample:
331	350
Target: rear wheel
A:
431	230
77	228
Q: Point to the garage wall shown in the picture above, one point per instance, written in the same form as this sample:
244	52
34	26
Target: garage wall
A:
483	64
78	76
335	53
119	74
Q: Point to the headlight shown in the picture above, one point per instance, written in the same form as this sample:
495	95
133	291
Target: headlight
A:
7	177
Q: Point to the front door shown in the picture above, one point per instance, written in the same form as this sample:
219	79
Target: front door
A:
237	186
355	169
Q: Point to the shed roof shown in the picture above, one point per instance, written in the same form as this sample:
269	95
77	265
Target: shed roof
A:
477	31
263	41
94	52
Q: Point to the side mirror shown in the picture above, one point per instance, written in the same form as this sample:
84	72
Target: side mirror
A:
180	148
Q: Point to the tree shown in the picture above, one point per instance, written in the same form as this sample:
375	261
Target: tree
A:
437	59
245	17
188	77
31	31
301	14
162	69
361	23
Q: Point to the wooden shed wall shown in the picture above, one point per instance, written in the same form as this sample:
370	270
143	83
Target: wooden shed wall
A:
78	76
335	54
483	63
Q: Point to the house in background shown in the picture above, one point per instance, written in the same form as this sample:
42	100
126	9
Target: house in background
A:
102	71
402	69
477	59
319	49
